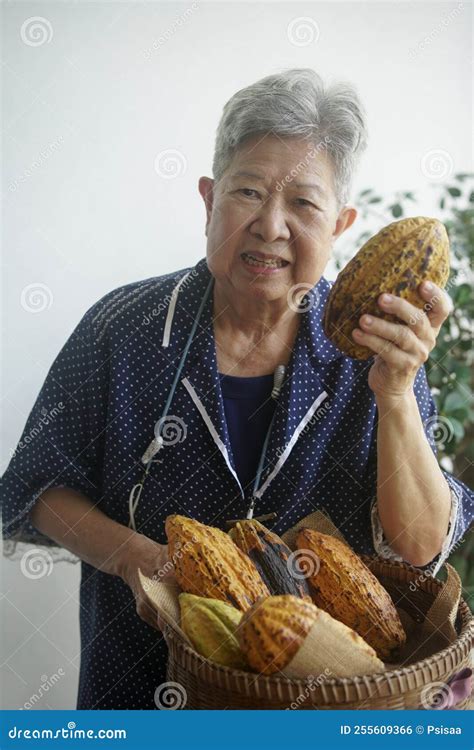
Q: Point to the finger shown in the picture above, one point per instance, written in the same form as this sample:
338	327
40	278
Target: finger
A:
436	309
165	566
388	351
168	572
413	316
438	304
397	333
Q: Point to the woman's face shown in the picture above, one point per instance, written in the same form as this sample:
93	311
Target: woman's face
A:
276	201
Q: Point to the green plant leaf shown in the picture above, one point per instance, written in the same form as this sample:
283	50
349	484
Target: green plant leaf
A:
454	400
454	192
463	372
396	210
462	295
458	428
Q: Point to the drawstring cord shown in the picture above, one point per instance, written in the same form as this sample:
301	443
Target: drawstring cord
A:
137	489
277	384
157	443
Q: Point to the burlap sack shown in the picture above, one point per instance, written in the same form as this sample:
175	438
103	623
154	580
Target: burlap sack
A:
436	632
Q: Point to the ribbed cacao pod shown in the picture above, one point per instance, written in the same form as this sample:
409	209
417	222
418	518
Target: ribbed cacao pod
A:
396	260
278	630
272	558
208	563
343	585
211	626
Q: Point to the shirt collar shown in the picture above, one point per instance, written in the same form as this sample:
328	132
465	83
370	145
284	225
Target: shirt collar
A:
311	344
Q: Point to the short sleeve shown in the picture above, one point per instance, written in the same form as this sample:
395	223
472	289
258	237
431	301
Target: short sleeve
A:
462	498
62	441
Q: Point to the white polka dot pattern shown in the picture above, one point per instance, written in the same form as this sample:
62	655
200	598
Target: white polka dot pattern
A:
112	378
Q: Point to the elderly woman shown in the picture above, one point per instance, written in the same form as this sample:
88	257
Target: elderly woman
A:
170	402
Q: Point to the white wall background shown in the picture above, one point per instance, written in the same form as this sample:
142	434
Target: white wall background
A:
85	115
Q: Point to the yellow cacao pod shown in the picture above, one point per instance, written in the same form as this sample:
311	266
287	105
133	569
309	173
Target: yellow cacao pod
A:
272	631
211	626
208	563
343	585
290	635
272	558
396	260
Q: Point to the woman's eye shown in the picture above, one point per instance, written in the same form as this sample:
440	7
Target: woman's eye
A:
246	191
304	202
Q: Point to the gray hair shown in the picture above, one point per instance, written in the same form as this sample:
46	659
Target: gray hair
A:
297	103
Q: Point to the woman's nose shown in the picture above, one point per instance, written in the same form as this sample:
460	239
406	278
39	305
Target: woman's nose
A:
271	222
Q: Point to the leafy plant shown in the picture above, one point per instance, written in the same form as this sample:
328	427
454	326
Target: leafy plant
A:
450	366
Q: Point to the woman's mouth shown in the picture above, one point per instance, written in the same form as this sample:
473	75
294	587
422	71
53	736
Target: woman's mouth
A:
258	264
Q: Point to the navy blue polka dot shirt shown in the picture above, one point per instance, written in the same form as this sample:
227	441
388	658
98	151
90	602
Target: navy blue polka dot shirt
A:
94	419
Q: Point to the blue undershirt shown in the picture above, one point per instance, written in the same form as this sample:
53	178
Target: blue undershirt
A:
248	410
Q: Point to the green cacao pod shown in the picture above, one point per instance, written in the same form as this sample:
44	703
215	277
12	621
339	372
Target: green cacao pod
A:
211	626
396	260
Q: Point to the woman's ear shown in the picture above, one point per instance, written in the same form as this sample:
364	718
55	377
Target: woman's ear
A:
206	188
345	219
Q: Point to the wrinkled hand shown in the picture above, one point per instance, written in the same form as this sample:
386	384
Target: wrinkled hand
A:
151	559
401	348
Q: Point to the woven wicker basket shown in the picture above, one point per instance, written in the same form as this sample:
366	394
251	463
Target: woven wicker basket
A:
210	686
